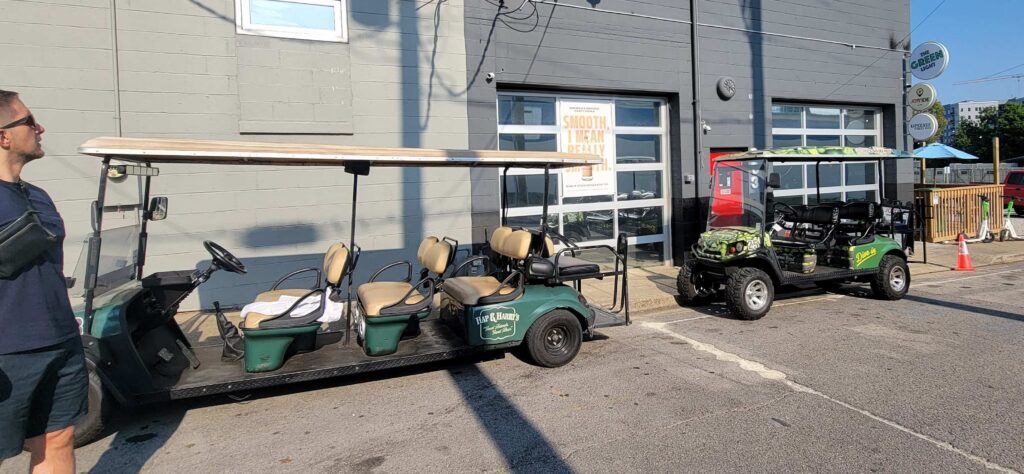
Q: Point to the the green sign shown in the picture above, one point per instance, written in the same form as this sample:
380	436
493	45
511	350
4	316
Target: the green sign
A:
929	60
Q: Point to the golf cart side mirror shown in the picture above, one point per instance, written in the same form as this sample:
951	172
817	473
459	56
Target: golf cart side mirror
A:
158	209
774	180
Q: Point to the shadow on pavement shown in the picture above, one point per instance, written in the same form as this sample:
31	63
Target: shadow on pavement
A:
523	446
966	307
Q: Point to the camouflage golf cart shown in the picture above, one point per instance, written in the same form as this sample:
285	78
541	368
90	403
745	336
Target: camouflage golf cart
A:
757	242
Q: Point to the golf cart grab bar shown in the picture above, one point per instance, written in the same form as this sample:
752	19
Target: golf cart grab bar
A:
620	299
319	274
408	275
506	283
428	299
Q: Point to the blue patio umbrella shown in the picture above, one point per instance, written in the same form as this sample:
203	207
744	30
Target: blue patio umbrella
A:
938	150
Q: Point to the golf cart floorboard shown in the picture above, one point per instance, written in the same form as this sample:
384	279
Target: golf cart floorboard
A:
606	319
823	273
436	342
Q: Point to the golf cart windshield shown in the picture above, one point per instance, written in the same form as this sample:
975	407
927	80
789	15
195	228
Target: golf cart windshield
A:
122	224
738	194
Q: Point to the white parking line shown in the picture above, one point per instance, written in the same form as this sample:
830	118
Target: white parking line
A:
687	319
982	275
810	300
772	374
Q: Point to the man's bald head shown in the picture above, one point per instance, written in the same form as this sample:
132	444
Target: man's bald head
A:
7	99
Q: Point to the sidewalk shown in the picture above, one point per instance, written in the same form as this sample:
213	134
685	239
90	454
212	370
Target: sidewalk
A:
654	288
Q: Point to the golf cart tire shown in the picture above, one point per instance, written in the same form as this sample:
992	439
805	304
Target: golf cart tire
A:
736	289
881	285
553	340
90	427
688	293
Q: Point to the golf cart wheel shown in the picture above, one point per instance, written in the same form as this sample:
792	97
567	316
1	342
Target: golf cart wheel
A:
90	427
554	339
892	280
693	287
749	293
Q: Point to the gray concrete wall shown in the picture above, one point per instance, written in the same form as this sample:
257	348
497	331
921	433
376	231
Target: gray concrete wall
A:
184	72
563	49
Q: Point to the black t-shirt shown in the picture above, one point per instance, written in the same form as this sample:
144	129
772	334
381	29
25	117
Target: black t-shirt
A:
34	308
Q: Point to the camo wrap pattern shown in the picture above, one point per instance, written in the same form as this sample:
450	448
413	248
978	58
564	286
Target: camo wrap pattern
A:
714	244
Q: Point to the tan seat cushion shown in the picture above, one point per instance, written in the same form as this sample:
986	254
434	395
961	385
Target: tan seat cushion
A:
271	296
253	320
469	289
380	294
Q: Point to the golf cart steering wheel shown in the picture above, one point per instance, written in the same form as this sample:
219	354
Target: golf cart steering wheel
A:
224	259
788	207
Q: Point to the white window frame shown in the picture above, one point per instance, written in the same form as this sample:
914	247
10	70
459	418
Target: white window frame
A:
807	170
803	132
559	208
338	35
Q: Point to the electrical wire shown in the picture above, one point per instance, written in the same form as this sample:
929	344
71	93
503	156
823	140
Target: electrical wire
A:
721	27
848	81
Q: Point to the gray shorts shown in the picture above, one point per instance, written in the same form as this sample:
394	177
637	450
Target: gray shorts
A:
41	391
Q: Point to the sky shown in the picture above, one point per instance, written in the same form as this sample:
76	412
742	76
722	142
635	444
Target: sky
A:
984	37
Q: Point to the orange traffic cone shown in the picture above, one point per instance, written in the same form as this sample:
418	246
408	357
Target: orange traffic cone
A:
963	258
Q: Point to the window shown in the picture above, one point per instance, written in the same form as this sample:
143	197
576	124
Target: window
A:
322	20
814	125
634	142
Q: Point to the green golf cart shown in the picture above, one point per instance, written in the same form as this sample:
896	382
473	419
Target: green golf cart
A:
524	294
757	242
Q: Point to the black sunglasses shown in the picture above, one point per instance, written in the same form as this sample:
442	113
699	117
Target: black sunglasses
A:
29	120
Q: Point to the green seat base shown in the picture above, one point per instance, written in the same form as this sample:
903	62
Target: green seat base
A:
266	349
381	334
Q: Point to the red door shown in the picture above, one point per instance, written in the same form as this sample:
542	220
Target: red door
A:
727	191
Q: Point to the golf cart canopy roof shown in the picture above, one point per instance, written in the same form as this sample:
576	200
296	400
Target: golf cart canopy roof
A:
161	150
820	153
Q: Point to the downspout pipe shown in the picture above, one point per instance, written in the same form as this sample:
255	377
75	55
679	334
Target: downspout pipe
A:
698	146
116	68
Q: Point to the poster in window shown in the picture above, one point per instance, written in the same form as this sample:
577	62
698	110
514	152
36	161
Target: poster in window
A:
587	128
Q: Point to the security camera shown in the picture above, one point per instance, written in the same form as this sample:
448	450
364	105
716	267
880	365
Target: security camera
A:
489	77
704	126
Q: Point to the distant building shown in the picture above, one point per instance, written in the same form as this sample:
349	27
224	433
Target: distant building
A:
965	110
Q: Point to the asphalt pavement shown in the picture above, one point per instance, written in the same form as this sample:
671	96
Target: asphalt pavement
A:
826	382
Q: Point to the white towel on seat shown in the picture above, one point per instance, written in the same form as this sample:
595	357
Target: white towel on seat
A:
332	312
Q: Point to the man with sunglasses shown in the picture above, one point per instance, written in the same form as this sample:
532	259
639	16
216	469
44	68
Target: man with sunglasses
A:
43	379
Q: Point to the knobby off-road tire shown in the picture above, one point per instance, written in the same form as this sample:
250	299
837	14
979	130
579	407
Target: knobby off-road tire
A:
749	293
689	293
553	340
90	427
892	280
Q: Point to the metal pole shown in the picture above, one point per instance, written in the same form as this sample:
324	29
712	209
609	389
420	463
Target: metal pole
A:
143	233
817	179
351	248
93	260
544	212
504	197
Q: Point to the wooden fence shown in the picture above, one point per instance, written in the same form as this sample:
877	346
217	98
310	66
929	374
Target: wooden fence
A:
950	210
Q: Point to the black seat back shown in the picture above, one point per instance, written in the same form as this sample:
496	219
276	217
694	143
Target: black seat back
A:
860	211
818	215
